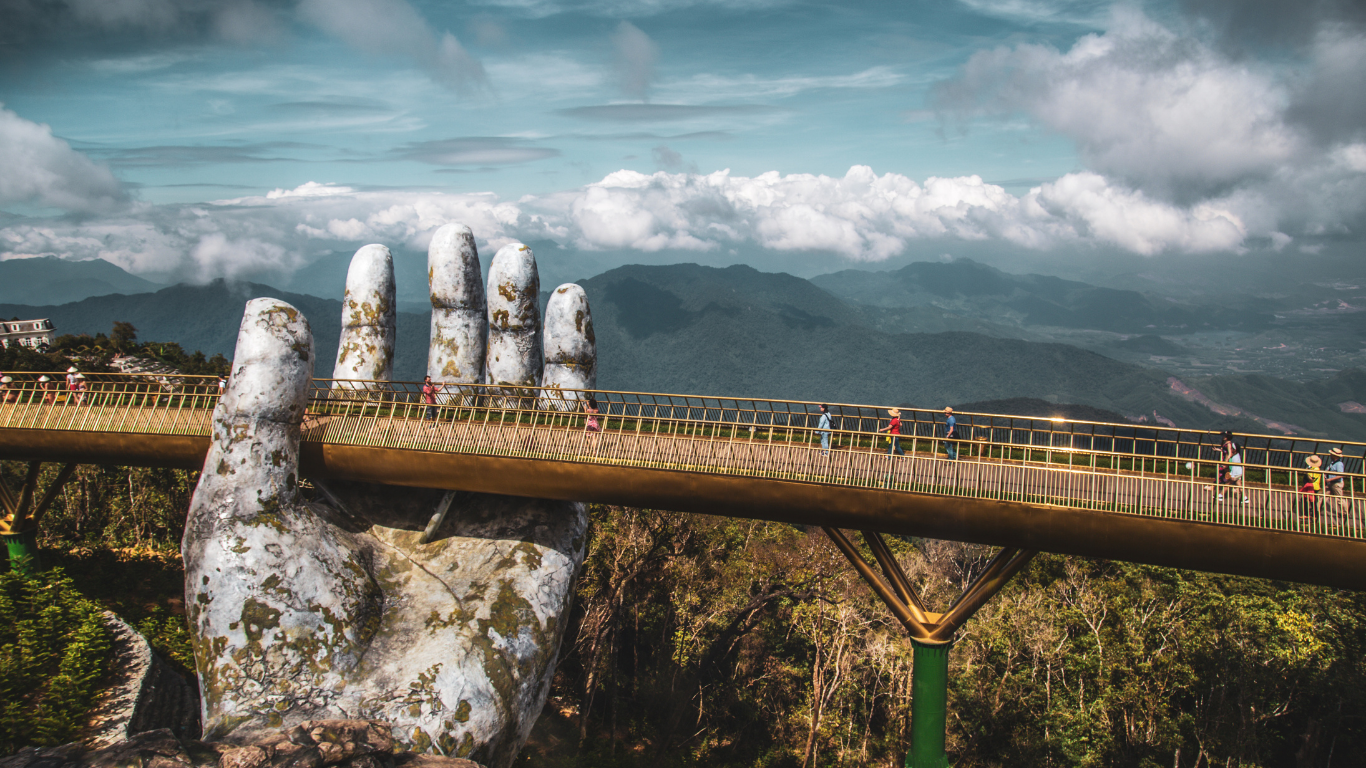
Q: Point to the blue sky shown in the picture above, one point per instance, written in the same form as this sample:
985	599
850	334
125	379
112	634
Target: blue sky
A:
199	139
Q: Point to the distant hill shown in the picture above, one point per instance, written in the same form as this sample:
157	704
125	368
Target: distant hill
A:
1152	345
739	332
206	318
50	280
1028	406
977	290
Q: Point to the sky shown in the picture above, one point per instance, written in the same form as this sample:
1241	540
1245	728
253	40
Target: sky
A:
195	139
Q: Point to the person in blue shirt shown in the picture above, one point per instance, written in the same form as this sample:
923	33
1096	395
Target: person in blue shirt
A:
823	426
950	433
1336	483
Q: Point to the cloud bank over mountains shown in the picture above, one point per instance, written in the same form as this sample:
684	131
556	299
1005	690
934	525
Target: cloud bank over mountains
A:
1187	143
862	217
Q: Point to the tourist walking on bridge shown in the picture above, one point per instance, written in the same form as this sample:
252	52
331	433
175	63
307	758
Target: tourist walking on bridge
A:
823	427
48	388
6	386
893	430
950	433
1311	489
1231	475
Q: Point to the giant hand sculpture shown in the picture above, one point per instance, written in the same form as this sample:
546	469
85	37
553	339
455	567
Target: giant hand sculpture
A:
342	605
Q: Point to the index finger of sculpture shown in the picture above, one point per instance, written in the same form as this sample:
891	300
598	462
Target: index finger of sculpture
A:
365	351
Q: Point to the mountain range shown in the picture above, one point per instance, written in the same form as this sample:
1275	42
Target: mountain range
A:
968	288
739	332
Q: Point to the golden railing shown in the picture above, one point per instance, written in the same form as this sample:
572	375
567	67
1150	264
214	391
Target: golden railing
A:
1135	469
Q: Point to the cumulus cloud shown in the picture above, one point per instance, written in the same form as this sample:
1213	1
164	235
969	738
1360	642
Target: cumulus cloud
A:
1192	126
1160	110
866	217
861	216
39	168
394	27
636	57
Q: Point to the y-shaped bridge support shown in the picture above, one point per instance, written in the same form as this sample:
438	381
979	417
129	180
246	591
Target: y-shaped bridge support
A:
19	525
932	634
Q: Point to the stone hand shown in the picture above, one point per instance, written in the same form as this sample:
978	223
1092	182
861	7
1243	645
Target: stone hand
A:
341	603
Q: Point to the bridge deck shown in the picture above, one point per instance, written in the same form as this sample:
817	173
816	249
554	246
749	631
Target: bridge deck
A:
1120	491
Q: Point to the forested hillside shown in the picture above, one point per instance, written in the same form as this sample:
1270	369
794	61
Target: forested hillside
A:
700	641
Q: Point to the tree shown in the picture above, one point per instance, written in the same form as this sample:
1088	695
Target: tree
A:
124	335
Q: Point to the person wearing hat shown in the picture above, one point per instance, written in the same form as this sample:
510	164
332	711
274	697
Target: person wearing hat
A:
1310	489
1335	482
48	388
77	389
71	377
893	430
6	385
950	432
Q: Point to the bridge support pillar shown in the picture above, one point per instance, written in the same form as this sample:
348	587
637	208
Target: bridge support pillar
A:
929	705
931	633
20	516
21	550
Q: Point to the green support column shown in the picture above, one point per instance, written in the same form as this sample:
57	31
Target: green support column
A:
929	705
22	549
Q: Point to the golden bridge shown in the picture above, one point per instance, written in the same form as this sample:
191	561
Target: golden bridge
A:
1119	491
1136	492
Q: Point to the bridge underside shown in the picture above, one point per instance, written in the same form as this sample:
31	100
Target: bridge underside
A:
1173	542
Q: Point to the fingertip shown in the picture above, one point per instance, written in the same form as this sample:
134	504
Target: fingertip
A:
459	322
571	359
453	273
272	363
365	350
514	318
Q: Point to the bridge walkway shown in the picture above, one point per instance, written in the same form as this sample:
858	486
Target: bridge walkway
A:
1110	490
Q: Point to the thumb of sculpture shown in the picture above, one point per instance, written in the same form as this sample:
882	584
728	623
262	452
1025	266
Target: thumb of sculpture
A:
263	608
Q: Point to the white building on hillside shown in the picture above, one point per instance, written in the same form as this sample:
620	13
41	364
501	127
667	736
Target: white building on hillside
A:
27	333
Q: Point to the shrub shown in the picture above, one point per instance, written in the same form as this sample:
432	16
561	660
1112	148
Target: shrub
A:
54	650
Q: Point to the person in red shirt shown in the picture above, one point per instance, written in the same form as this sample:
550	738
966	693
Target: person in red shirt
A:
429	391
893	430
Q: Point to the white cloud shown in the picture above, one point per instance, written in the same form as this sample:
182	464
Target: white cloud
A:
1163	111
39	168
861	216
